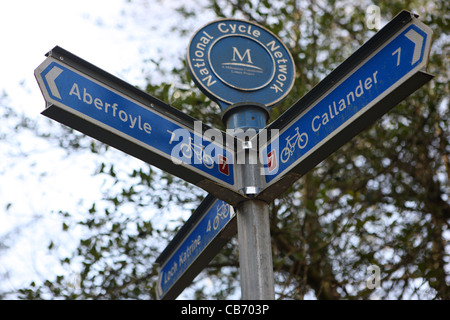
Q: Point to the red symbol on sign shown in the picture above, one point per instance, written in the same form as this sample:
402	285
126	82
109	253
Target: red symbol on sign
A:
223	165
271	160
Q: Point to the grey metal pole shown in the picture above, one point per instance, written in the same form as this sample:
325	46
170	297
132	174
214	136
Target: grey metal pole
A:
255	248
255	251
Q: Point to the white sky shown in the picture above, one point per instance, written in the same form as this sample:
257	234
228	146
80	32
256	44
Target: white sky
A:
84	27
43	180
29	30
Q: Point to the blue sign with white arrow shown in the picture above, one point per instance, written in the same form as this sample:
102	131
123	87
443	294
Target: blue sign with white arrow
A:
155	136
363	88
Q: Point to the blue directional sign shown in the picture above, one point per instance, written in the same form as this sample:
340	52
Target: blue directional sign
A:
151	131
194	246
354	101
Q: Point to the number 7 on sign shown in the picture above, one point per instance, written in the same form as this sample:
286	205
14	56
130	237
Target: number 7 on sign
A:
418	44
398	51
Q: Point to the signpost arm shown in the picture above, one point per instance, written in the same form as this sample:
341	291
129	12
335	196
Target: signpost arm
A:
255	248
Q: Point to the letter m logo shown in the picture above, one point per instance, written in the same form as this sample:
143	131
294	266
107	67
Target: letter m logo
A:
242	57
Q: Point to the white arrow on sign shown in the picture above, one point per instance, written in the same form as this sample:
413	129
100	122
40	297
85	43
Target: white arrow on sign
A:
51	77
418	44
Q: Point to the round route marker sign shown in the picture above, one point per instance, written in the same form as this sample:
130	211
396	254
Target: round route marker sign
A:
236	61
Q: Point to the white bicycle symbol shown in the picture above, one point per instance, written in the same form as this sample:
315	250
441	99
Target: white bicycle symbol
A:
189	149
222	212
298	139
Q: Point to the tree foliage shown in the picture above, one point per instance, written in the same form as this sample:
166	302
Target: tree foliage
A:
382	200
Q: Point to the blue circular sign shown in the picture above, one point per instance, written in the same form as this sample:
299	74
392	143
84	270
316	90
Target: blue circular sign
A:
235	61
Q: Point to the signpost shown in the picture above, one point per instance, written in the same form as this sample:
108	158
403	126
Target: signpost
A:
246	69
209	228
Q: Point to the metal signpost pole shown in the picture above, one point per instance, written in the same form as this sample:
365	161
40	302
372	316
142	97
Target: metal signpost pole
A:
255	250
